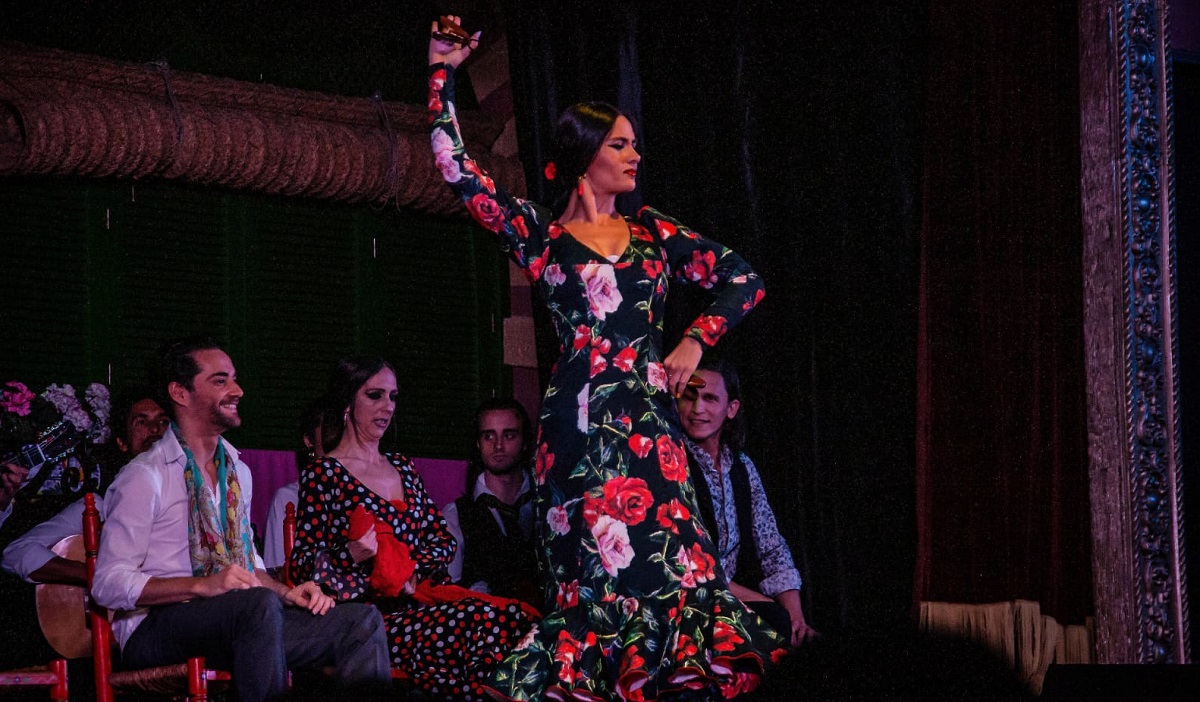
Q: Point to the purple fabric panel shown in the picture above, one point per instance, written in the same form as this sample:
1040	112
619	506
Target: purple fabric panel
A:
272	470
443	478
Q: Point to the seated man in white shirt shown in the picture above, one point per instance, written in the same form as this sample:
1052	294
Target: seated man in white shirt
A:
493	521
177	558
733	504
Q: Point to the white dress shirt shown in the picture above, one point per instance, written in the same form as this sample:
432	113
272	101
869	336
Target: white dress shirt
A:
273	536
145	531
32	550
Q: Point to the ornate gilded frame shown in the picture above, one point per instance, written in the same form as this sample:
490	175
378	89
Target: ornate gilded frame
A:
1130	333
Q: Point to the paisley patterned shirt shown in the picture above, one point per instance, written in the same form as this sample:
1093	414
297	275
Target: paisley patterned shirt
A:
779	571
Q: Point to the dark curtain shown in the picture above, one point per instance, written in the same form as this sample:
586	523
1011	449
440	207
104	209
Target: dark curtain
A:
1002	456
790	134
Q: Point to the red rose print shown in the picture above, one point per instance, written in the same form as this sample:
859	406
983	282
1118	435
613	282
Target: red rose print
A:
711	327
543	463
653	269
669	513
666	230
624	360
566	652
626	499
685	647
640	445
593	508
632	676
639	232
538	264
487	212
741	684
583	337
568	595
700	270
599	342
555	230
671	460
725	637
519	224
751	304
488	184
598	363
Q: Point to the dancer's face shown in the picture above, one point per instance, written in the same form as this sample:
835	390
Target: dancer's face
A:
374	405
614	167
704	411
500	440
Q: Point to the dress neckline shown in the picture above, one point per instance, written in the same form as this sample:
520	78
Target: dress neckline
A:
366	488
596	254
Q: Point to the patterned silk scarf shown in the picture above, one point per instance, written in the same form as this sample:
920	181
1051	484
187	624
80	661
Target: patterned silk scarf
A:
218	537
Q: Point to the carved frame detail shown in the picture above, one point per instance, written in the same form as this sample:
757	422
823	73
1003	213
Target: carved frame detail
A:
1130	333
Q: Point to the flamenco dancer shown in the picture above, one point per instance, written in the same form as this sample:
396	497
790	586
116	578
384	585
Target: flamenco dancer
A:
640	607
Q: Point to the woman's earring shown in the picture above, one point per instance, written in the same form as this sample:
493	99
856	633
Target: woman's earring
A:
579	185
346	417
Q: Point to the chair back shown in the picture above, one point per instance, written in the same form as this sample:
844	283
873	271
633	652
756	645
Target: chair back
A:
102	637
289	540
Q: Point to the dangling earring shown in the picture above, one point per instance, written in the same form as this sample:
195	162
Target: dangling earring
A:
579	185
346	417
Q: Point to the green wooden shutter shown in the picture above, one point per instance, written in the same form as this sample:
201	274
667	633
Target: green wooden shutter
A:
99	273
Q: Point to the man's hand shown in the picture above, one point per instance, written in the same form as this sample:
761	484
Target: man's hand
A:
11	477
309	596
801	631
234	577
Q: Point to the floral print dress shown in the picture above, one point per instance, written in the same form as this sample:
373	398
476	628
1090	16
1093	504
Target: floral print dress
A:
641	610
445	649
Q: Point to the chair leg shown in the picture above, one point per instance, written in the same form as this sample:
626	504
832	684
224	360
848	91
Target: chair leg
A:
197	681
59	691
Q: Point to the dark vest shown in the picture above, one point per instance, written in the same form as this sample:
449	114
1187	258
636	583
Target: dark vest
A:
508	564
749	564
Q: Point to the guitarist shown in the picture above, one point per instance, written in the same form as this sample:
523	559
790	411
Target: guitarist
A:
142	422
138	421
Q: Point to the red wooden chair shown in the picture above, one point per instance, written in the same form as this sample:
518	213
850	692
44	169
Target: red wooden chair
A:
289	540
189	680
53	676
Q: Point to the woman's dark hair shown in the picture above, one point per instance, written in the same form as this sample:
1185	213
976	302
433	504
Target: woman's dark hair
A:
733	434
578	135
475	464
345	380
175	364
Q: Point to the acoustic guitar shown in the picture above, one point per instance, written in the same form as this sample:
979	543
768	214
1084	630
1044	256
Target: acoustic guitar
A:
62	610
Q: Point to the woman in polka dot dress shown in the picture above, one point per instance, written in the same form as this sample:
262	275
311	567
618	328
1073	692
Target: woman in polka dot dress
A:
445	648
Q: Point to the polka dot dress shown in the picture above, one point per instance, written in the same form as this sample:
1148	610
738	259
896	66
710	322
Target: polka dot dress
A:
446	649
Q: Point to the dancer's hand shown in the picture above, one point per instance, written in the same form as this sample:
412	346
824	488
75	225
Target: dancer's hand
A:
681	363
449	52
